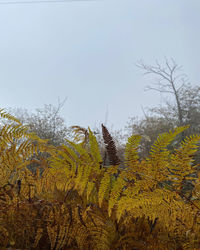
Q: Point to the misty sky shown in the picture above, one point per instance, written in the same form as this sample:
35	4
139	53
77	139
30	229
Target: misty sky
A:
87	50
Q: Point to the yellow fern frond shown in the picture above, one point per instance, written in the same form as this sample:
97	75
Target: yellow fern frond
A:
8	116
38	237
81	135
159	154
131	154
85	178
165	139
105	183
181	167
94	148
90	187
115	192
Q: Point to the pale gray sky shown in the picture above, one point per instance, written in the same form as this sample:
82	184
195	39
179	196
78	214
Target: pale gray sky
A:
86	51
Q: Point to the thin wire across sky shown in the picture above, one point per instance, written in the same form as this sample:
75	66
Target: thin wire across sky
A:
41	1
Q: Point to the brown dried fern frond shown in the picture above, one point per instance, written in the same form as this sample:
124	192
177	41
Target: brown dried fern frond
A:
110	147
81	134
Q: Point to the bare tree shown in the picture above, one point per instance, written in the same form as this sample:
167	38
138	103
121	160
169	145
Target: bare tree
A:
169	80
183	110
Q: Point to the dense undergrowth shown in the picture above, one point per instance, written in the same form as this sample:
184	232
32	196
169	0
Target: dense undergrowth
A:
71	200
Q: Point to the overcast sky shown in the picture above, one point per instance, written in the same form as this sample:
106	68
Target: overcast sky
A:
87	50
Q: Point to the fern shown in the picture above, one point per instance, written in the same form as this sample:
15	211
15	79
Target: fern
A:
110	146
181	167
105	184
131	154
94	148
76	204
81	135
115	193
8	116
159	154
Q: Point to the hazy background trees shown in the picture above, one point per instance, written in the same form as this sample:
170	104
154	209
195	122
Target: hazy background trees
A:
182	109
45	122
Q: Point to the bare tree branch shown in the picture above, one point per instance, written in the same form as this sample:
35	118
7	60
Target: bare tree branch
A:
168	81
